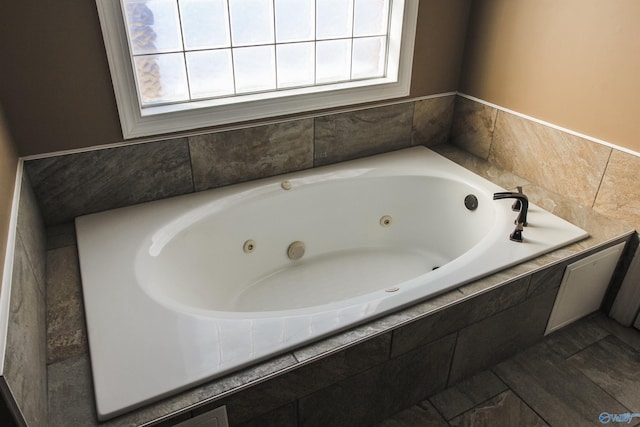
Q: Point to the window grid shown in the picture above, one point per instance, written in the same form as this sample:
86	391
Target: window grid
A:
277	86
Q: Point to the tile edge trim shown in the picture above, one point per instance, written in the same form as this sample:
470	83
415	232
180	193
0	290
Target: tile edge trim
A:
7	276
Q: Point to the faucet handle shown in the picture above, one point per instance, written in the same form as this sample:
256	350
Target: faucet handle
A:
516	236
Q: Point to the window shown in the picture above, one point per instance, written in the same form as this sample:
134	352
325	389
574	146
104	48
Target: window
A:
184	64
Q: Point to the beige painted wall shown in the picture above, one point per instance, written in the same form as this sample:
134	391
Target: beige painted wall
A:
573	63
56	87
8	165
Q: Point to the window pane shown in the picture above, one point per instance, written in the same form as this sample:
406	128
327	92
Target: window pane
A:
333	59
295	20
210	73
371	17
295	64
369	56
161	78
255	68
334	18
205	24
251	22
153	26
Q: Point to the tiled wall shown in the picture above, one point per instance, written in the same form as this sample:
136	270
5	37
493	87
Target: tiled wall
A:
70	185
25	371
592	174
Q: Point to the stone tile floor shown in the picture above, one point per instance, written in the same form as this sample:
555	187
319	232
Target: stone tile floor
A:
574	377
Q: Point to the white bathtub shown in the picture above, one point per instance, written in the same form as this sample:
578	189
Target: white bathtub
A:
182	290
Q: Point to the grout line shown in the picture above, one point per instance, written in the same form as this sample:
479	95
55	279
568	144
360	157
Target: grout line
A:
604	173
451	359
518	395
193	178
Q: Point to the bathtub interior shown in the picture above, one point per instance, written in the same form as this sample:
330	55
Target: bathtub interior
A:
172	299
369	233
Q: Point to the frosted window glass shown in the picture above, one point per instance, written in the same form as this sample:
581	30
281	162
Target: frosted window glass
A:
295	20
333	60
255	68
334	18
161	78
251	22
205	24
210	73
369	56
153	26
296	64
371	17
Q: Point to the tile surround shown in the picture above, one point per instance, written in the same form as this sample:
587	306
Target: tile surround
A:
77	184
488	341
473	126
241	155
347	136
283	411
432	120
70	185
25	357
591	174
559	161
619	193
457	317
66	333
373	395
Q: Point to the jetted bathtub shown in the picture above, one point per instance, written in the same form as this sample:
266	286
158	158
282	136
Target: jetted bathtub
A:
183	290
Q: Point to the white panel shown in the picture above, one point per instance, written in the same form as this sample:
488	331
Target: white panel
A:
583	287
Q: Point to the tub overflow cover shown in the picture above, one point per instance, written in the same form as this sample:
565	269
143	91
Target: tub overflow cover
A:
471	202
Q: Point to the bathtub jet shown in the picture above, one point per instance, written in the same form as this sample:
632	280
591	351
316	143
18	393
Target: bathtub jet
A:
180	291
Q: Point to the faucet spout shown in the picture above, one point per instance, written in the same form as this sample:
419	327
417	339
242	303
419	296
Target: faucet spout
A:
523	203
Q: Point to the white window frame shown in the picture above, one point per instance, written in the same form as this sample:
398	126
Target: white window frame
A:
138	122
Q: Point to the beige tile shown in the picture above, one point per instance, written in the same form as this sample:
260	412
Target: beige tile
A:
473	126
235	156
432	120
25	354
556	160
66	333
347	136
619	194
71	185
